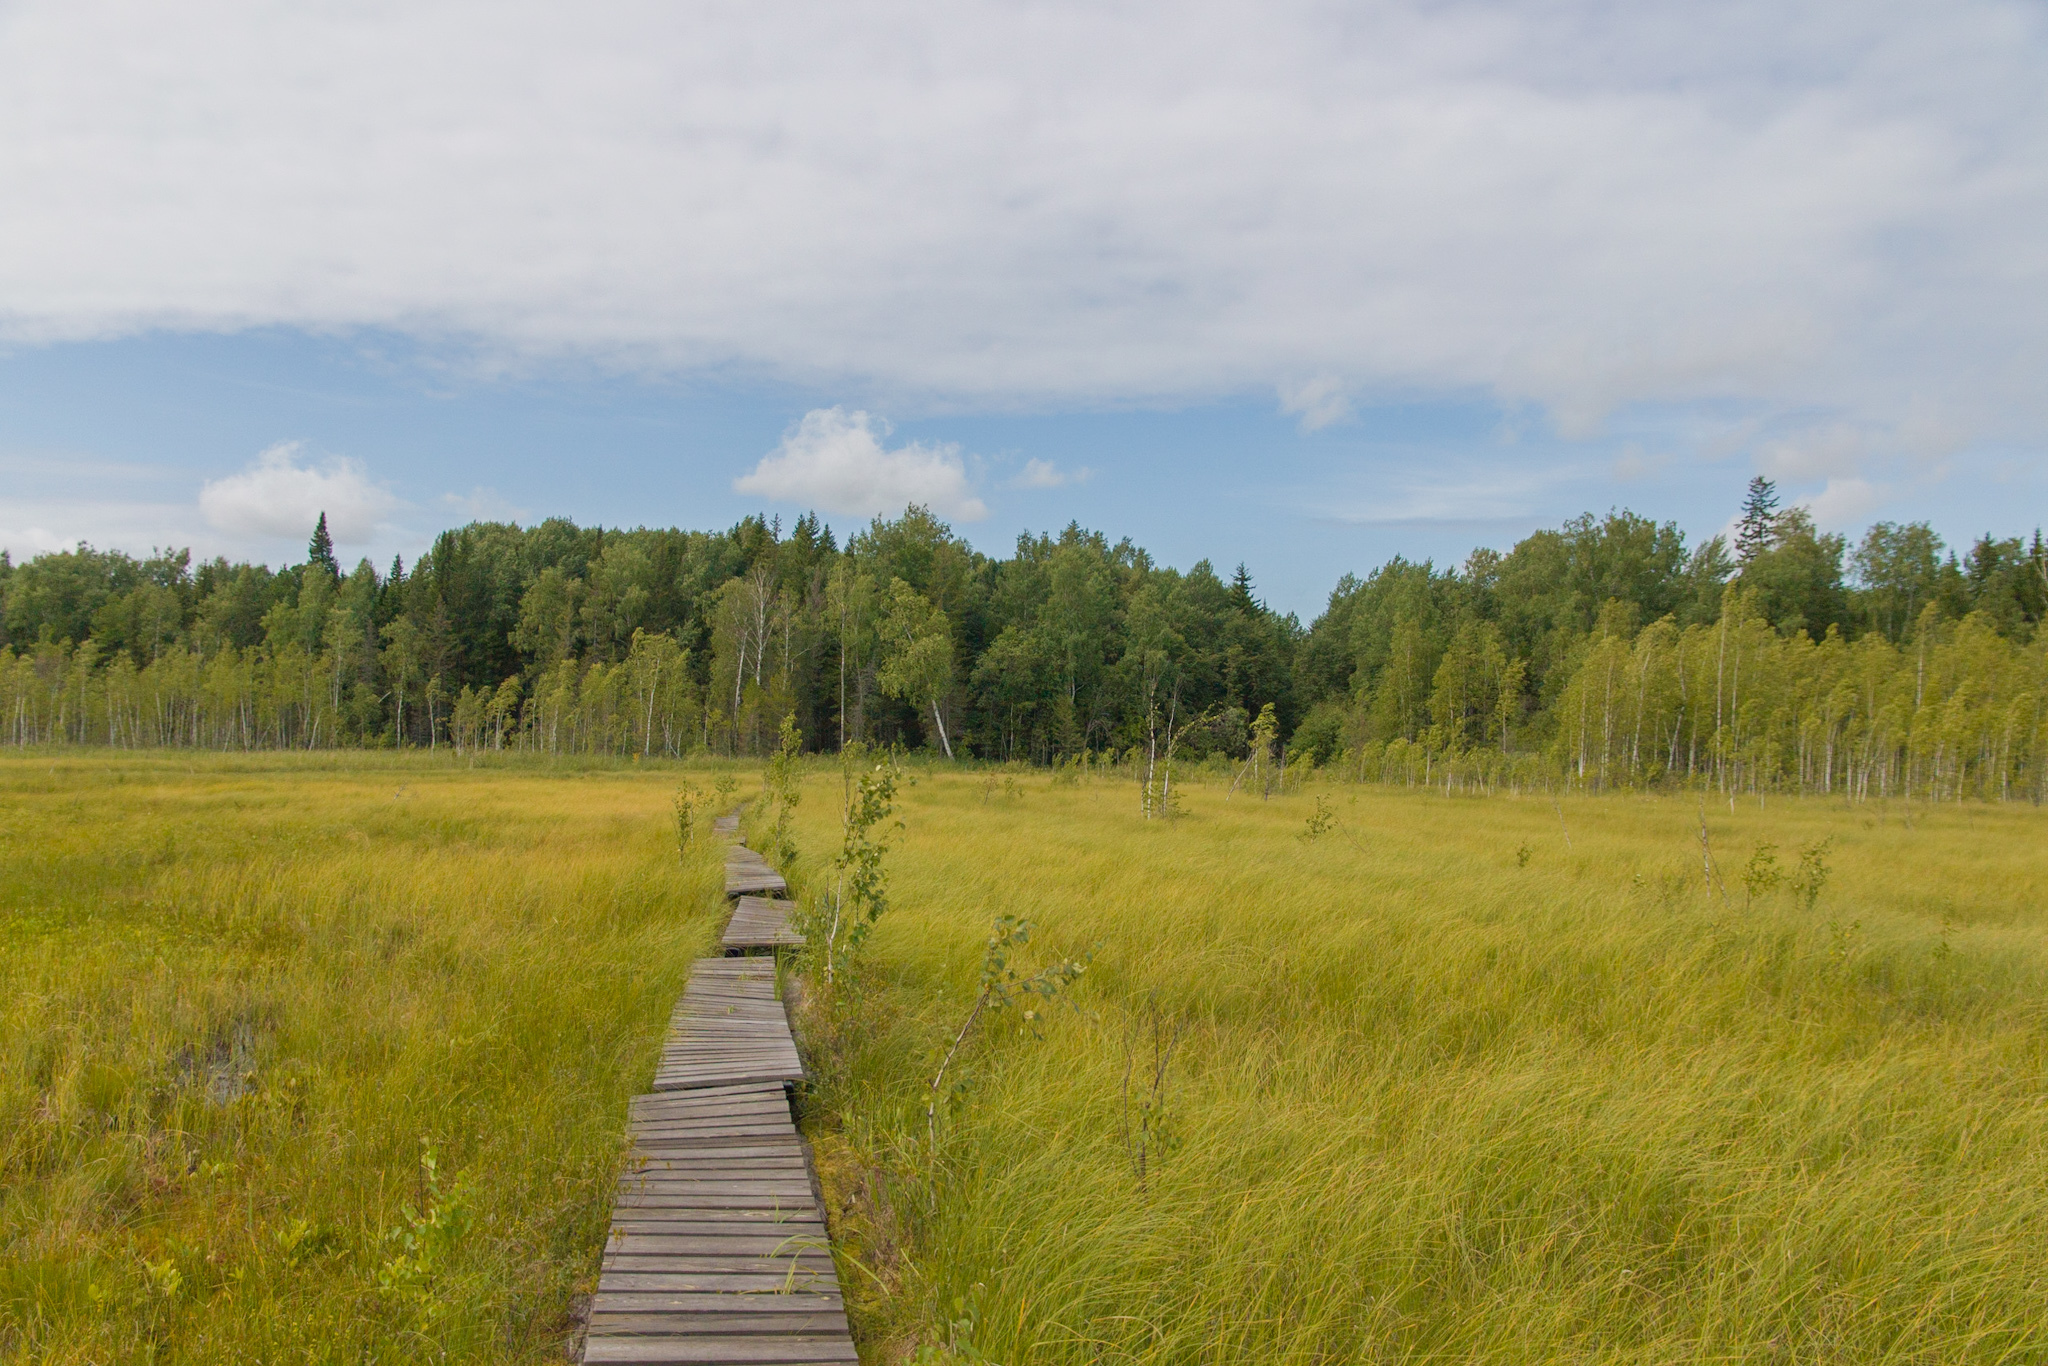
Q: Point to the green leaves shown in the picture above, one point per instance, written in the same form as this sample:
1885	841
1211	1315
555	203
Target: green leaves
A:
419	1250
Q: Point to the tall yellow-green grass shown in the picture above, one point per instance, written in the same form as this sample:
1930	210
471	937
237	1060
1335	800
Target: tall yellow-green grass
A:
1460	1079
1447	1087
239	999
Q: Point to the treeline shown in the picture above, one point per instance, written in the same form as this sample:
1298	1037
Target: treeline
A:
1606	652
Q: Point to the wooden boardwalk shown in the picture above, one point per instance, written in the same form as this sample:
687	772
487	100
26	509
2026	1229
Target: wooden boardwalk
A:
718	1254
748	874
728	1028
760	922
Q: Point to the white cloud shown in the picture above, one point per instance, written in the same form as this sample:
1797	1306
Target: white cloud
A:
1044	474
1320	402
1843	503
1823	206
835	460
34	525
280	497
1828	449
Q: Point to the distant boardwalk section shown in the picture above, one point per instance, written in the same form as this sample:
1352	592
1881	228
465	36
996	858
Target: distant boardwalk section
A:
760	922
748	874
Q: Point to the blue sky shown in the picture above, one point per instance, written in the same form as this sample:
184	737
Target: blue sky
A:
1295	285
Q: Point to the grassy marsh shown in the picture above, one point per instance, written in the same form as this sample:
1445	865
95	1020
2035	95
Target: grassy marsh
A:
240	997
1445	1087
1450	1087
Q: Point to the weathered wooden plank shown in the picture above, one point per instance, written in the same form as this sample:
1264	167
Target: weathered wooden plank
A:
763	1283
803	1265
703	1324
728	1028
780	1225
609	1322
642	1243
736	1351
760	922
713	1303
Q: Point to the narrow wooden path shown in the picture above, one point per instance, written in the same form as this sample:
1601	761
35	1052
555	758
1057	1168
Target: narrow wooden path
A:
748	874
718	1254
760	922
728	1028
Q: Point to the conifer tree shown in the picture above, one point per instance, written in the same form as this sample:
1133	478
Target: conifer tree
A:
1754	532
320	550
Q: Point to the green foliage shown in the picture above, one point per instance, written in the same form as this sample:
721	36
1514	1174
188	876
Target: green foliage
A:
1758	525
1813	873
685	804
782	784
1261	770
1576	653
1003	986
961	1322
320	549
919	663
419	1249
1762	874
1321	821
859	895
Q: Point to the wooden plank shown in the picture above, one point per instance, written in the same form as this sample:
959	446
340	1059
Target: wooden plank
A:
745	1282
610	1322
640	1243
712	1303
736	1351
760	922
728	1028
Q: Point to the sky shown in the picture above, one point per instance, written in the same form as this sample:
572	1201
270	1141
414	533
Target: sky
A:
1299	285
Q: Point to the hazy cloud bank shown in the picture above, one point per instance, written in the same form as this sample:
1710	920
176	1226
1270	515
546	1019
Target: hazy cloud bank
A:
1826	210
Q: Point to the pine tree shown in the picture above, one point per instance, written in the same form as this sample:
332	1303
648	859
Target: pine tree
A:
1241	590
320	550
1753	534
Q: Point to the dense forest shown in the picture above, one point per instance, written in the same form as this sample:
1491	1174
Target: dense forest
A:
1606	652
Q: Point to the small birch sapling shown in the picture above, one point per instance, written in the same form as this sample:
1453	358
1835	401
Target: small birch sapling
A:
1003	987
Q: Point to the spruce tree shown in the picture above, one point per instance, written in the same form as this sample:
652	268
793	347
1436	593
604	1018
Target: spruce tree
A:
320	550
1241	590
1753	534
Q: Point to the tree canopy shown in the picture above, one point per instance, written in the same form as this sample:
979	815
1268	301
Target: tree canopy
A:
672	641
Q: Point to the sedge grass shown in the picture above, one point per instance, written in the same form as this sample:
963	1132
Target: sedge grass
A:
1449	1087
240	998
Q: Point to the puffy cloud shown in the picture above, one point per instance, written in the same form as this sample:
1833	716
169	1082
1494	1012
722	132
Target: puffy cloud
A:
1825	206
281	496
1843	503
835	460
1044	474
